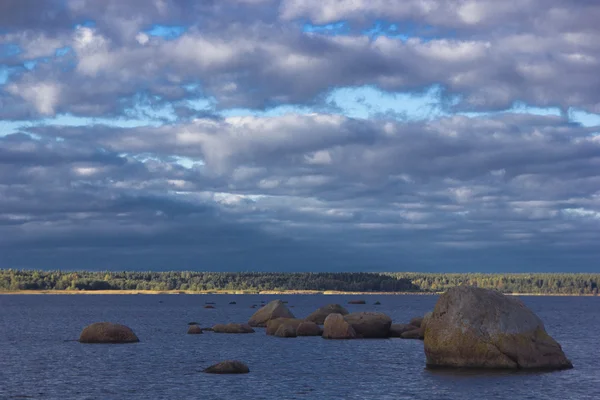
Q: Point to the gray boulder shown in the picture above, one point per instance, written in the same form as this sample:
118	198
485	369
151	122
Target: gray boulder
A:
480	328
370	324
274	309
308	328
274	324
318	317
286	330
336	327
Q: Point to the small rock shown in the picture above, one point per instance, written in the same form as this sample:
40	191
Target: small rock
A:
209	306
107	332
192	323
228	367
357	302
232	302
209	302
194	330
377	303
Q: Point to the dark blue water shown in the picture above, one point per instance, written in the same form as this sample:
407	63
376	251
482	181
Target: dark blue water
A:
36	362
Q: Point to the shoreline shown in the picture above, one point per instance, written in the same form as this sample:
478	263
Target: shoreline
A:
248	292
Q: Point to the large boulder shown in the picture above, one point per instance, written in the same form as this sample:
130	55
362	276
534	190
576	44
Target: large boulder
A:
228	367
232	328
194	330
336	327
396	330
370	324
107	332
318	317
480	328
274	324
308	328
275	309
286	330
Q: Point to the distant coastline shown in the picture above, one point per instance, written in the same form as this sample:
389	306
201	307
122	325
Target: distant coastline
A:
13	281
265	292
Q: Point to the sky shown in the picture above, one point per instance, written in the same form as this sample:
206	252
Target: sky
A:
300	135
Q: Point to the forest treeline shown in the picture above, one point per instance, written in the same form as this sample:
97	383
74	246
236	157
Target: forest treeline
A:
15	280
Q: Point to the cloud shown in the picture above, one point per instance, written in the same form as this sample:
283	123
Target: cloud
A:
266	134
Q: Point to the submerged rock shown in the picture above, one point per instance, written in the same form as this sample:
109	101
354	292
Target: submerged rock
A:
370	324
377	303
107	332
357	302
209	306
275	309
232	328
228	367
194	330
308	328
480	328
336	327
318	317
232	302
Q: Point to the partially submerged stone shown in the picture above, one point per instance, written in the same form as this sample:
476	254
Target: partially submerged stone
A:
318	317
194	330
107	332
308	328
286	330
274	324
357	302
273	310
480	328
228	367
370	324
336	327
232	328
398	329
417	333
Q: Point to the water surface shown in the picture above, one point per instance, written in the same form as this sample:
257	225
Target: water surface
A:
36	361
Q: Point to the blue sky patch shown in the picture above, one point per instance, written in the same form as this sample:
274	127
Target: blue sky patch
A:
166	32
337	28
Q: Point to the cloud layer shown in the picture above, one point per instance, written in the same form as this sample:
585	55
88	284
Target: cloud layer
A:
217	135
